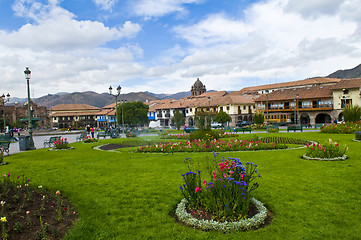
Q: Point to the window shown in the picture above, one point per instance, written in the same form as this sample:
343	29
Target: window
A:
244	107
345	91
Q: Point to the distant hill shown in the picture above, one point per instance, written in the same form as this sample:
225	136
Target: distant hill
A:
91	98
176	96
348	73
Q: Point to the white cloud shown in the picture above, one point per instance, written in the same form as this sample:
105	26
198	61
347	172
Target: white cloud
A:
105	4
158	8
270	40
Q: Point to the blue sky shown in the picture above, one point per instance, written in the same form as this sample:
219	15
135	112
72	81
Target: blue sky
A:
163	46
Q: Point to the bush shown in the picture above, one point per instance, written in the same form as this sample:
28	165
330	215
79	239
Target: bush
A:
89	139
61	143
207	135
327	150
352	113
259	118
358	135
343	128
227	192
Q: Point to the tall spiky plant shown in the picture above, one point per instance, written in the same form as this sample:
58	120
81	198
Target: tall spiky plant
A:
352	113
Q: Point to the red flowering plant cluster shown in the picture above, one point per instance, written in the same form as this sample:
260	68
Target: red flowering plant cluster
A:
61	143
213	145
89	139
343	128
176	136
1	155
227	192
327	150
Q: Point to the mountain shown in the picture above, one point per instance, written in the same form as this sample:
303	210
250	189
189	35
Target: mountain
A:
91	98
176	96
348	73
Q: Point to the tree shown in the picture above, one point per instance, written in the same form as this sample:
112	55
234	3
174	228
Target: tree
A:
352	113
258	118
203	121
135	113
222	118
178	119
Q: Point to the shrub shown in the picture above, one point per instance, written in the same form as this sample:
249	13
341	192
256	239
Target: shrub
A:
327	150
358	135
227	192
207	135
258	118
343	128
273	130
131	135
352	113
258	126
61	143
1	155
89	139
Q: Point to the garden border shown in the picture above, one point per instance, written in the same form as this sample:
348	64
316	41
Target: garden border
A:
245	224
54	149
343	158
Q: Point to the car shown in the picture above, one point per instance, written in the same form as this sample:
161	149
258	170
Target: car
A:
243	123
216	125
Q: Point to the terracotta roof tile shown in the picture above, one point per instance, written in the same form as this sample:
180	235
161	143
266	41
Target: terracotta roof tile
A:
324	91
348	83
73	107
310	81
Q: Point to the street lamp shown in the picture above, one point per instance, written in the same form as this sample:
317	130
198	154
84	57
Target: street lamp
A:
3	101
30	117
123	101
116	101
267	106
297	121
209	104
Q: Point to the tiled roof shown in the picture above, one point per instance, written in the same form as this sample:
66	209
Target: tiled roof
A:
348	83
68	114
315	92
310	81
73	107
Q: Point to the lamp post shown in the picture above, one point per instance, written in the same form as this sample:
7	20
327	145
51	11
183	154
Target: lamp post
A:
209	104
297	121
30	117
267	106
116	101
3	101
123	101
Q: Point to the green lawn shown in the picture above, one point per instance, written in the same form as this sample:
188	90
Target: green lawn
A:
124	195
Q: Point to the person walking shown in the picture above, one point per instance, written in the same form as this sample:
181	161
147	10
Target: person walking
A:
92	132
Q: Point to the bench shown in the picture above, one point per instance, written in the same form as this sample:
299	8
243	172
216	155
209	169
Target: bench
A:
103	134
51	141
294	128
81	136
5	145
244	129
189	130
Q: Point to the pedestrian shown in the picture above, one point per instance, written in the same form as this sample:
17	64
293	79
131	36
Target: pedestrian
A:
92	132
185	128
88	129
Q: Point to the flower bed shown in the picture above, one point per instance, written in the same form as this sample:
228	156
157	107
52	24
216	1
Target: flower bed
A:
89	139
330	151
358	136
243	224
226	196
33	213
61	144
343	128
214	145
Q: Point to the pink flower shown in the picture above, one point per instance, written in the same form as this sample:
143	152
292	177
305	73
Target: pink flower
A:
205	183
214	174
197	189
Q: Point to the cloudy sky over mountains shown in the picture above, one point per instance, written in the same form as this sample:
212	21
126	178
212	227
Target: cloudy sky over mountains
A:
163	46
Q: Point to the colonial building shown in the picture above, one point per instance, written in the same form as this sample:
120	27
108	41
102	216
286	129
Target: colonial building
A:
198	88
67	115
18	114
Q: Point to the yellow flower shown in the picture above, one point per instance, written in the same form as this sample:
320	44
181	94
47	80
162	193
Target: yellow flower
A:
3	219
57	192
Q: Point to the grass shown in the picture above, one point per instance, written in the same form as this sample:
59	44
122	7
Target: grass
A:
127	195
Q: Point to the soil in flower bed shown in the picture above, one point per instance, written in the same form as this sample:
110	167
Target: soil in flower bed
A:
30	215
203	214
113	146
